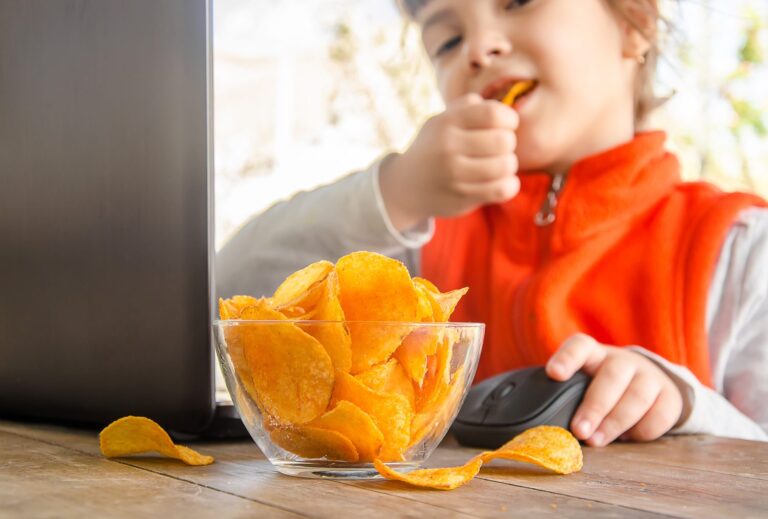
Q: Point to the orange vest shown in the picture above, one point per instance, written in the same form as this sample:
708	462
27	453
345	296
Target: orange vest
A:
628	260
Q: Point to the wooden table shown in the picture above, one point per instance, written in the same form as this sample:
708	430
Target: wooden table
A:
50	471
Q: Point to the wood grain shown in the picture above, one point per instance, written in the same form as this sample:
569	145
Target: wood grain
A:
57	471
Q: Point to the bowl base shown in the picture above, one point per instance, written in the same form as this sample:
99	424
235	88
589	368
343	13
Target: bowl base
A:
331	470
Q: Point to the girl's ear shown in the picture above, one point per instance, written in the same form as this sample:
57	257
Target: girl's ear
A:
638	20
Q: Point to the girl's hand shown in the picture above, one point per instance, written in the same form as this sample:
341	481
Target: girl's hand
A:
461	159
629	395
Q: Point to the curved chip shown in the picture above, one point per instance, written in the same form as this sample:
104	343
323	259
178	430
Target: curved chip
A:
438	375
442	413
389	377
375	288
351	421
291	372
448	302
443	303
391	413
440	479
313	442
334	336
415	349
302	289
137	434
547	446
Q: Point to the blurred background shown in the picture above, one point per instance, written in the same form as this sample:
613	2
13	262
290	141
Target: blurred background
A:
307	91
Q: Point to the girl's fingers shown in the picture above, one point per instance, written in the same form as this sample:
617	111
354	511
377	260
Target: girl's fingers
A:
484	169
577	352
639	397
659	419
486	143
609	384
491	192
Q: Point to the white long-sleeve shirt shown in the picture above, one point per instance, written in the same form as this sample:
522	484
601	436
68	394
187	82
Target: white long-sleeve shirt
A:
350	215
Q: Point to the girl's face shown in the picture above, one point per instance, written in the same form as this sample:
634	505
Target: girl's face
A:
582	57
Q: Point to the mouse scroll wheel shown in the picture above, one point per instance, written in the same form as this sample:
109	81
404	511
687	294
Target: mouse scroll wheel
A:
502	391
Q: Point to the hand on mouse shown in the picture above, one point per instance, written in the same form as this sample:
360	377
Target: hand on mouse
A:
461	159
629	396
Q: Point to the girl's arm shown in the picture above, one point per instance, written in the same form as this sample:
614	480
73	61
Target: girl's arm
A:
737	322
324	223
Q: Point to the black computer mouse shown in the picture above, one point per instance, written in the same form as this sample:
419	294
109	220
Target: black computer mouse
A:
501	407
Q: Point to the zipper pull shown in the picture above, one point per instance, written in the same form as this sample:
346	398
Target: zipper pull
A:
546	215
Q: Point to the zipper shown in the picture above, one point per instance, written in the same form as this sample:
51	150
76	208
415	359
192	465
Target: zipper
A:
546	215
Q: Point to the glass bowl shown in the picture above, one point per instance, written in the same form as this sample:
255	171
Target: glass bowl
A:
326	398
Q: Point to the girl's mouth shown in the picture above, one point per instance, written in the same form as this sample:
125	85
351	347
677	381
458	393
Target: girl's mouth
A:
510	90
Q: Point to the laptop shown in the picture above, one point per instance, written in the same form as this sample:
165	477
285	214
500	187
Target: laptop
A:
106	211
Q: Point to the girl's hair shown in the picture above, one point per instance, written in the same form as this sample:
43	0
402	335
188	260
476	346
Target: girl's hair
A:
645	17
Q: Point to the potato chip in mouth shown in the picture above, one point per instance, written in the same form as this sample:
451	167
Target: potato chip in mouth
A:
518	90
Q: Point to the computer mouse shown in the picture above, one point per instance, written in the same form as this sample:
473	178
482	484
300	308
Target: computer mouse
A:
503	406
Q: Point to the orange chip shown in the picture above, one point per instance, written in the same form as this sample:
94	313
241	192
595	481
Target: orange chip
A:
389	377
443	303
351	421
441	414
448	302
302	289
391	413
313	442
426	306
335	338
438	375
291	372
236	337
440	479
548	446
415	349
375	288
136	435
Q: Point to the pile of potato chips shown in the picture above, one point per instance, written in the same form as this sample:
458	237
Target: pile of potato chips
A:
336	371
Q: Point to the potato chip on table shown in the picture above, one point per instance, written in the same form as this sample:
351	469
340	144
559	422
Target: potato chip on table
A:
138	435
547	446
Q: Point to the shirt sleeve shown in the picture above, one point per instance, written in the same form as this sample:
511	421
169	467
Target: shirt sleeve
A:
737	325
325	223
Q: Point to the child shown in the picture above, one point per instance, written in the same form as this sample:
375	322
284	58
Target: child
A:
574	232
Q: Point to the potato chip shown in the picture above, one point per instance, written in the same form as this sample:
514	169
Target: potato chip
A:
313	442
351	421
443	303
438	375
227	310
440	479
375	288
136	435
335	338
391	413
426	305
302	289
414	351
444	409
448	302
389	377
548	446
236	337
291	372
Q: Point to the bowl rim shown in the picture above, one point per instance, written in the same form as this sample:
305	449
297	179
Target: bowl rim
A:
230	322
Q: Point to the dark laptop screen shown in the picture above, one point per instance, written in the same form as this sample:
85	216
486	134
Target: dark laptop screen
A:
105	210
